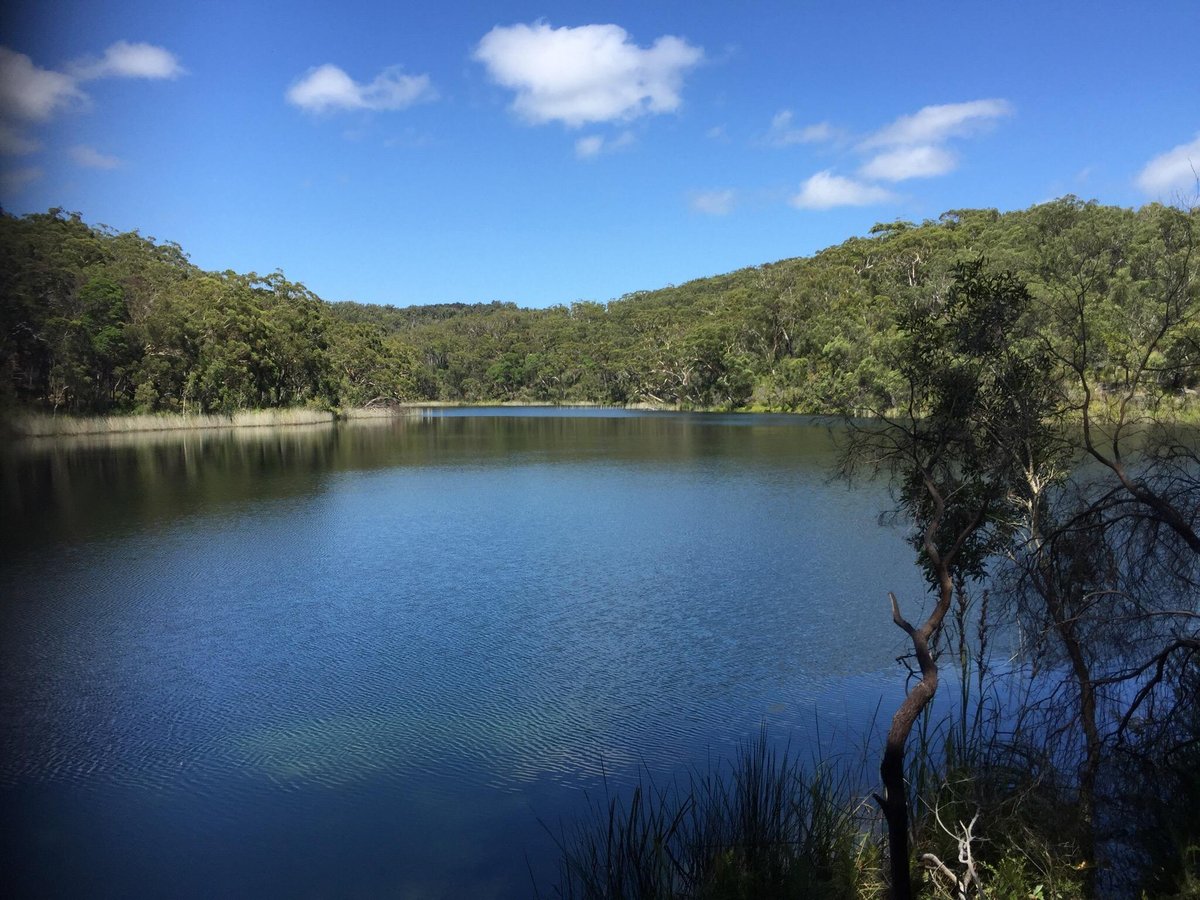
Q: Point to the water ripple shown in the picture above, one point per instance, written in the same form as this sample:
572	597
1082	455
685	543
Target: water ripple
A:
413	635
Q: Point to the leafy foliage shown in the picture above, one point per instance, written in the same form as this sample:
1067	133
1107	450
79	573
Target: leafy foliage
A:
95	321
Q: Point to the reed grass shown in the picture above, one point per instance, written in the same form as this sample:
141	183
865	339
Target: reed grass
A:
762	825
41	425
358	413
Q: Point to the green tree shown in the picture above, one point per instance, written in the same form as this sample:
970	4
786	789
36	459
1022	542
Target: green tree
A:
972	426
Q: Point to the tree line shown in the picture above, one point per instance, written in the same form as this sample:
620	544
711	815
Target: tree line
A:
97	321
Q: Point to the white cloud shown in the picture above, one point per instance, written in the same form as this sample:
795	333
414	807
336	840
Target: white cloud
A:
593	73
91	158
933	124
590	146
327	88
30	93
713	203
917	161
717	133
14	143
13	181
593	145
911	146
826	190
783	133
126	60
1177	170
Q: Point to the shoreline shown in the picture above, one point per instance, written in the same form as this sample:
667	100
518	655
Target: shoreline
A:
35	425
43	425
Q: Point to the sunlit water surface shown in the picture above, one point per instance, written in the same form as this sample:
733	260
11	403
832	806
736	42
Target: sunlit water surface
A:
391	658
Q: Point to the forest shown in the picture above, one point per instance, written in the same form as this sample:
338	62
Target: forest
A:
94	321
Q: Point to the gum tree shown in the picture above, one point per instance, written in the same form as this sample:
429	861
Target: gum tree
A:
972	426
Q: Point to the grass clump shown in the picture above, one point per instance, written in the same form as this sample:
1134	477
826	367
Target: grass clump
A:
42	425
1004	826
762	825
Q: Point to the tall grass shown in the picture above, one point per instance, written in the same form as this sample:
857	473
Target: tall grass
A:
762	825
41	425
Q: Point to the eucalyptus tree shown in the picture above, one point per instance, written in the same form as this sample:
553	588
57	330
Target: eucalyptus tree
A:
1110	570
971	427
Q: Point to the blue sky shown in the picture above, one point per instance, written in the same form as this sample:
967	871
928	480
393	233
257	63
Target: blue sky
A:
543	153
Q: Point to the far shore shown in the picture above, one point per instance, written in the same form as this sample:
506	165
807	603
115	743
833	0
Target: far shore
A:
37	425
42	425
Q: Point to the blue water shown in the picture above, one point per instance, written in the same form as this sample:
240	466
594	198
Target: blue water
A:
373	659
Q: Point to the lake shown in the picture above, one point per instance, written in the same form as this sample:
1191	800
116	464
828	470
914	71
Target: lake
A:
389	657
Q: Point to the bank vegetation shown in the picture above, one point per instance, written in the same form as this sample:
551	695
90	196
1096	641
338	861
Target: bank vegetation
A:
99	322
1031	440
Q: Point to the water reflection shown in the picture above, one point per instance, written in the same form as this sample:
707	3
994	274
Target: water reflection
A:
369	657
81	488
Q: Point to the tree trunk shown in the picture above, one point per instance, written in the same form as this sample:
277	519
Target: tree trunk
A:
894	801
1093	746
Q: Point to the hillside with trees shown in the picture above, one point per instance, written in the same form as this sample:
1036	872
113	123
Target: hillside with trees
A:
96	321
